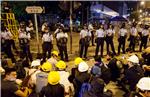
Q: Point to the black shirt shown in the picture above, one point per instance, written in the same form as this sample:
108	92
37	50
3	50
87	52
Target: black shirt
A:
52	91
8	88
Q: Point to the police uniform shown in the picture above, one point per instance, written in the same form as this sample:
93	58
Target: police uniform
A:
100	34
140	29
55	34
91	29
24	41
133	34
62	39
6	42
144	38
122	39
109	39
85	37
3	44
47	39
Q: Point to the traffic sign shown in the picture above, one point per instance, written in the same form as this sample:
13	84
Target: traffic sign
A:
34	9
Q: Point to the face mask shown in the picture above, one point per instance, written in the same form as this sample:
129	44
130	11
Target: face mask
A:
12	79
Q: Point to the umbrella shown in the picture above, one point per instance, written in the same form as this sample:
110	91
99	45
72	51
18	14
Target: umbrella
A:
118	18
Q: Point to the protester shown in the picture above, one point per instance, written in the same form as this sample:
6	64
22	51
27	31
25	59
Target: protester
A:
134	72
112	65
53	88
81	78
53	59
143	86
97	89
64	75
35	69
74	71
9	88
41	77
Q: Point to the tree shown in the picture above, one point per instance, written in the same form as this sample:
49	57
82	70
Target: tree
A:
134	15
18	8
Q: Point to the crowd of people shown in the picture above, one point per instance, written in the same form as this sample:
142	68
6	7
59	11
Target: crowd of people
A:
47	75
51	79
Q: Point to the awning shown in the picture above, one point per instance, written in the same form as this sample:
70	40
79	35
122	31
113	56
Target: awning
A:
118	18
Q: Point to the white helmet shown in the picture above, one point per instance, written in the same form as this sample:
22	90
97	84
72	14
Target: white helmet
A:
83	67
133	59
36	63
144	83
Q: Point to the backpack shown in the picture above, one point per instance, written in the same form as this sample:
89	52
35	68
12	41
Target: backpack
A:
41	81
84	88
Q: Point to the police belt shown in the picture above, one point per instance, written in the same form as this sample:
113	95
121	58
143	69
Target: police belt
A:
2	40
23	41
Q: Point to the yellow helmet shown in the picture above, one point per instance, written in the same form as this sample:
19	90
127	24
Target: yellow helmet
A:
53	77
55	53
47	66
61	64
78	60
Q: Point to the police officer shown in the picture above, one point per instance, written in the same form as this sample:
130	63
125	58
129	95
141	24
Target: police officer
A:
132	38
59	27
47	45
85	37
144	37
122	34
62	39
24	41
91	29
109	38
44	26
30	28
6	43
140	29
100	34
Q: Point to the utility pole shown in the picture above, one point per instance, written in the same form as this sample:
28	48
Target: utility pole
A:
71	27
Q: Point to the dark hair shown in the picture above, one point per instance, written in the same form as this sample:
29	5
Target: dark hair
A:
97	85
110	25
3	28
146	27
134	25
123	25
110	54
98	58
9	70
128	50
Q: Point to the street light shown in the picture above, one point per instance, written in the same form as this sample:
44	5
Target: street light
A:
140	16
146	13
142	3
140	10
